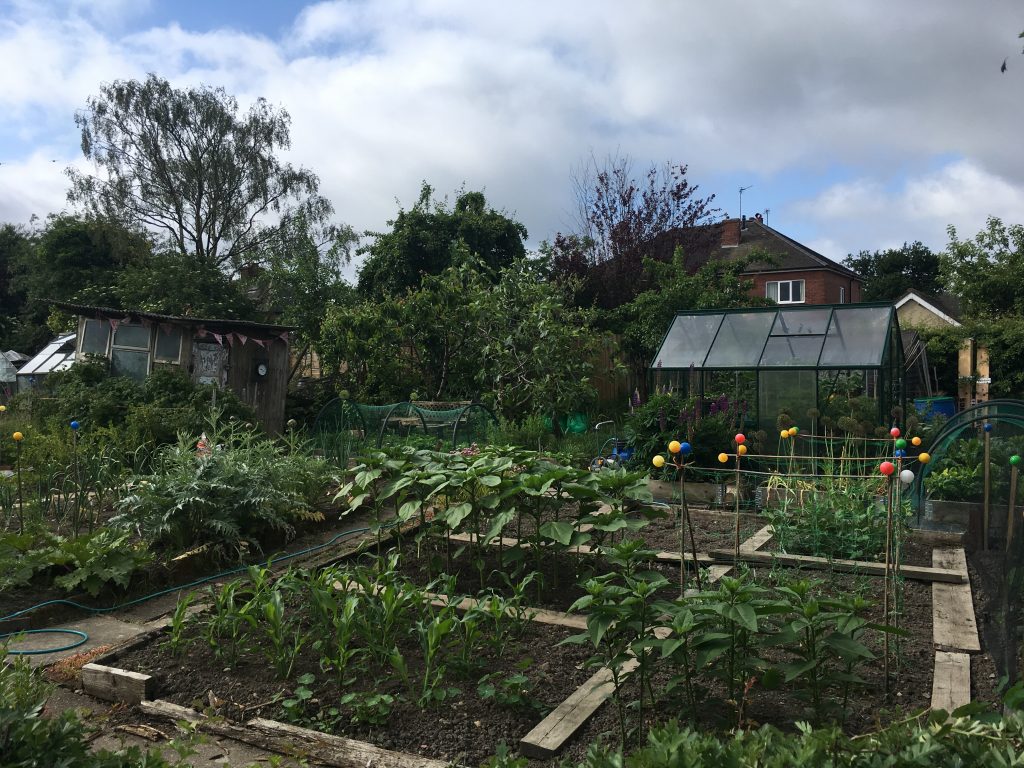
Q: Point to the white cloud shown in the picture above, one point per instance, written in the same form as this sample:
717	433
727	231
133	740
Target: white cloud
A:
868	211
510	96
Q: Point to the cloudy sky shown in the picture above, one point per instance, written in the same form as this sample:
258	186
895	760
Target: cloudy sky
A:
860	125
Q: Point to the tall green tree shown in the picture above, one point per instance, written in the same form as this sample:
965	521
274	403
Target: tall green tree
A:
303	276
71	259
188	164
430	236
890	273
14	245
985	271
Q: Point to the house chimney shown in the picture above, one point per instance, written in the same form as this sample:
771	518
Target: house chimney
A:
730	233
759	217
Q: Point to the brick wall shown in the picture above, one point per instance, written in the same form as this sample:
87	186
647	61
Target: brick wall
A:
820	287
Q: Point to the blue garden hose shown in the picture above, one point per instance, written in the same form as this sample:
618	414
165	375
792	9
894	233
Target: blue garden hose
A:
82	637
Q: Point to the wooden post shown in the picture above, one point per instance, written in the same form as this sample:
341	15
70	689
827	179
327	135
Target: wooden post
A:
1010	512
988	479
21	495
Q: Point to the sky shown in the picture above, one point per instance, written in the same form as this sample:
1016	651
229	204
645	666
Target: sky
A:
856	126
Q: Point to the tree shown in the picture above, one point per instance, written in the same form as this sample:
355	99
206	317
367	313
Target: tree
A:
71	259
986	272
890	273
622	220
304	276
644	320
186	164
173	283
14	244
509	338
425	240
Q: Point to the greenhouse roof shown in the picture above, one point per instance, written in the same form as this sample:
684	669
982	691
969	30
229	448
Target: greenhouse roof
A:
819	336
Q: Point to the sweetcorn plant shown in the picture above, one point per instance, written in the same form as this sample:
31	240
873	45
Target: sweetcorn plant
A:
246	492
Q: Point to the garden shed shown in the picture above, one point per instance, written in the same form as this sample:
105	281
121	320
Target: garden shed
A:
251	359
833	366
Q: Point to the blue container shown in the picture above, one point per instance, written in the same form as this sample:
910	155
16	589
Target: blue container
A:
930	407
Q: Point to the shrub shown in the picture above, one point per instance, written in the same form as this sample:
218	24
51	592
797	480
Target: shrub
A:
244	493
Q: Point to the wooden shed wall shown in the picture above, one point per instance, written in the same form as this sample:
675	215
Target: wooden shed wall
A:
267	395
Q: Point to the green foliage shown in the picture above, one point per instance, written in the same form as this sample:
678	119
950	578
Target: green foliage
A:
198	155
107	557
985	271
30	740
459	334
668	416
175	283
959	474
890	273
246	493
938	740
515	691
846	521
431	237
92	562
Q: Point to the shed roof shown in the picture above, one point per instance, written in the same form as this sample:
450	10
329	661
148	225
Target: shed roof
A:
58	355
819	336
209	323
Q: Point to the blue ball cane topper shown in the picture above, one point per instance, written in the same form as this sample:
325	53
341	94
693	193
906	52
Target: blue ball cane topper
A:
988	427
74	425
686	449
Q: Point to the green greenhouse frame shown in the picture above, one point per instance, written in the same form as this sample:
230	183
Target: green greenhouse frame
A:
823	361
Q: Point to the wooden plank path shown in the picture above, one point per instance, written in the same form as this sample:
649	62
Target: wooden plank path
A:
549	736
865	567
953	623
951	684
954	632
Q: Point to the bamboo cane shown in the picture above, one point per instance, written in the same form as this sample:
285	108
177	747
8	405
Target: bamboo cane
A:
1010	517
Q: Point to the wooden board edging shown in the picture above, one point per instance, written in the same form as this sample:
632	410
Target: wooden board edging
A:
113	684
290	740
865	567
547	738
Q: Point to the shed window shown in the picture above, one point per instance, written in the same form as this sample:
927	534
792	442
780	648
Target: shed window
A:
134	336
785	291
129	362
95	336
168	345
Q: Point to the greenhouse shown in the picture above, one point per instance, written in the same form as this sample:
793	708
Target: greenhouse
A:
829	366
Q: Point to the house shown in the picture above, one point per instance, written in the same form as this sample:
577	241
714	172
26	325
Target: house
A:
251	359
799	275
918	309
58	355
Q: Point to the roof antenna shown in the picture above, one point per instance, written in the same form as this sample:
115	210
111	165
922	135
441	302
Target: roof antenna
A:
742	190
766	212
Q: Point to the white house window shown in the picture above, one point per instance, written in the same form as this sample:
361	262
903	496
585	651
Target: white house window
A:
785	291
842	294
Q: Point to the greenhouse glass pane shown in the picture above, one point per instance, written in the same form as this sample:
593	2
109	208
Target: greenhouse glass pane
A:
786	394
792	350
740	340
856	337
687	341
799	323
